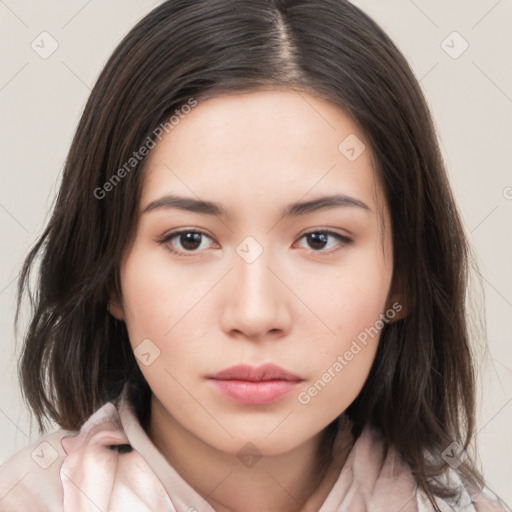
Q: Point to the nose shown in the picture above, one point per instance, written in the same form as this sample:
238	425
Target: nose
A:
257	303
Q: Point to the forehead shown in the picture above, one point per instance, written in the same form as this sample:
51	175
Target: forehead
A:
262	148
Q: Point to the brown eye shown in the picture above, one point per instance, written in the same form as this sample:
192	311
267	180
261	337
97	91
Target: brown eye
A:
185	241
190	241
318	241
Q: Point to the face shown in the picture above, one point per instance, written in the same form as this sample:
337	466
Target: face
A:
252	280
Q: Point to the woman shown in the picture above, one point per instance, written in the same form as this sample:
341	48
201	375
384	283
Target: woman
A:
252	286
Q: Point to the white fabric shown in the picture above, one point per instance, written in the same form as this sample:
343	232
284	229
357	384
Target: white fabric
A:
77	472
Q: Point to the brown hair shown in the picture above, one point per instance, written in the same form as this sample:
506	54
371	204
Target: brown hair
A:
76	356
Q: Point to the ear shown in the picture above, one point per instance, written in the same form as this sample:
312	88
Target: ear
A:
115	307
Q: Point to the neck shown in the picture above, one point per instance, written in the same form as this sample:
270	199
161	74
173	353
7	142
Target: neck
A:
290	482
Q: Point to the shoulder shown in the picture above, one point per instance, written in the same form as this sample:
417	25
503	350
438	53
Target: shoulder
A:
487	501
68	471
466	500
469	498
30	480
35	478
393	482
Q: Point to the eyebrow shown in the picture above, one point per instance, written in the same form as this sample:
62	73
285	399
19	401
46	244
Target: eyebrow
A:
292	210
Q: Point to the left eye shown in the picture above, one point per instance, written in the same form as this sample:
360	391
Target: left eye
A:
318	241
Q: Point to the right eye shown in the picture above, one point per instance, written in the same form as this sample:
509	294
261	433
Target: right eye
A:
183	241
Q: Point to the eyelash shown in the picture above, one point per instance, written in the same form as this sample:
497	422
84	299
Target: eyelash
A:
344	241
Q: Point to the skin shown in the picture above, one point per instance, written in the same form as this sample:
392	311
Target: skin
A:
300	304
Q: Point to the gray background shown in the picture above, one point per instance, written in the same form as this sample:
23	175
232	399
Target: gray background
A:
470	97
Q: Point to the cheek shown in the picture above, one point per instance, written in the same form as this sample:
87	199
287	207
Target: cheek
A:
155	295
352	303
354	296
156	299
339	367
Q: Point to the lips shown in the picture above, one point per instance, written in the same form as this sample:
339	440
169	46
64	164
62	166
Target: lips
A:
261	373
255	386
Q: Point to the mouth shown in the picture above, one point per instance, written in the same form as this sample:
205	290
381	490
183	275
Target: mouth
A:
255	386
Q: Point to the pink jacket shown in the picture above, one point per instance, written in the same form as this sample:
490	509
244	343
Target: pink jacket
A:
77	472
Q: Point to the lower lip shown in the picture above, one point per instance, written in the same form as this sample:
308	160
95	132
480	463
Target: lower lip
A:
254	393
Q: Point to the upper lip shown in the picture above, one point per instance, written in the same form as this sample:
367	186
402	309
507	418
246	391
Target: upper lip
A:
264	372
